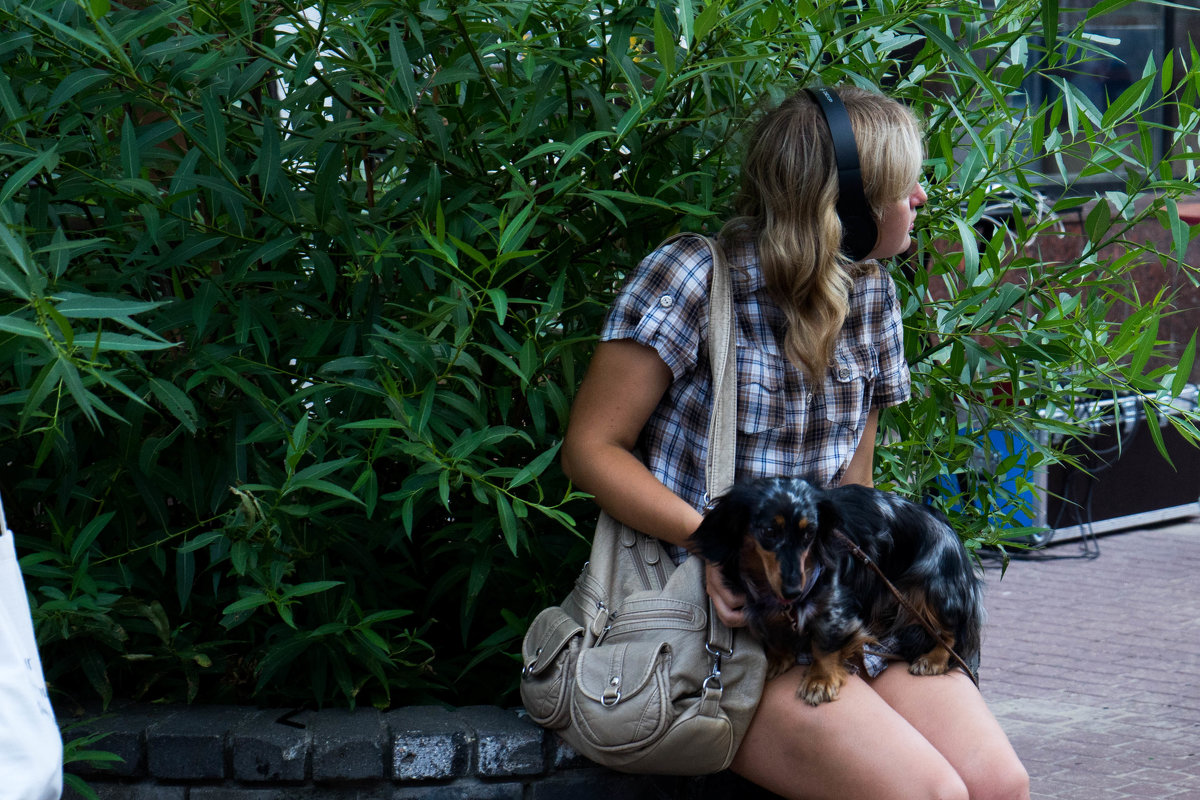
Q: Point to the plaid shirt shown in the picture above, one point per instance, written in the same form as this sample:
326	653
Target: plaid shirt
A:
786	426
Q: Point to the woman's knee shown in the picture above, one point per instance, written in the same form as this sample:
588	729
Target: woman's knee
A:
999	779
946	787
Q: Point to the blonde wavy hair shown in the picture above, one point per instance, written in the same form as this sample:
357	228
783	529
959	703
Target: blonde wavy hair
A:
787	203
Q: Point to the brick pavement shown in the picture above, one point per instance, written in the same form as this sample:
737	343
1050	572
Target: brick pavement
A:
1093	665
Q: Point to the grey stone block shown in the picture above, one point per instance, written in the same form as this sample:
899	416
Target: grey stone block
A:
124	729
507	743
348	745
562	756
429	743
466	789
190	745
265	749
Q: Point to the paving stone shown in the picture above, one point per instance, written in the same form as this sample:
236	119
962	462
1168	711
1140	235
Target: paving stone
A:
142	791
602	784
1086	658
429	742
469	789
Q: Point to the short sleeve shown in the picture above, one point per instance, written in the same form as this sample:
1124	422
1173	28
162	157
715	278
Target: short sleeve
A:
894	382
664	304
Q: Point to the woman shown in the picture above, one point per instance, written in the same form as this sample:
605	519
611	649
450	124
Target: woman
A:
819	353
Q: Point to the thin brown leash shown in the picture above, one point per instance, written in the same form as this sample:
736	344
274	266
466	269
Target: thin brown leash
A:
866	559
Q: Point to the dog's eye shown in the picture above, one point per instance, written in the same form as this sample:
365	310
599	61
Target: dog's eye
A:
769	534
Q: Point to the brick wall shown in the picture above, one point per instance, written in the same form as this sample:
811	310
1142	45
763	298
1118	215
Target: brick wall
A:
418	753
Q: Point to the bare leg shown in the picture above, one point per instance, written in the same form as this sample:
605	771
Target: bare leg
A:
856	746
950	714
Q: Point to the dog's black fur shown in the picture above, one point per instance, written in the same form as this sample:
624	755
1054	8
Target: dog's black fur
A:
808	595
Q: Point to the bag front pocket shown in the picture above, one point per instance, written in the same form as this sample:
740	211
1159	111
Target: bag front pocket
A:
621	699
549	652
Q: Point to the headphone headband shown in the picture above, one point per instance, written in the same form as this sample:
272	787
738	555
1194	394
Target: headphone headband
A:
859	232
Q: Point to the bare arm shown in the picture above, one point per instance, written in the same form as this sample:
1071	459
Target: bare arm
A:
624	384
861	467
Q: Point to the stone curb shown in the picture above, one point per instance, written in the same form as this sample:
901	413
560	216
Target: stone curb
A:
414	753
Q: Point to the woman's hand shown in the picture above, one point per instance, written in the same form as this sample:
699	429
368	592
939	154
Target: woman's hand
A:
728	604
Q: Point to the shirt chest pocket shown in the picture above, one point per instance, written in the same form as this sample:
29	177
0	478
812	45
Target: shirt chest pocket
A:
849	386
761	401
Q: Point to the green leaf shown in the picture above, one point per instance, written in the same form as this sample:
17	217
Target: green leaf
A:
664	42
1183	370
175	401
202	541
21	327
1152	425
78	82
401	65
508	523
1145	348
74	305
45	160
185	576
1130	100
707	20
87	537
256	599
577	146
311	587
131	159
1103	7
1050	24
121	342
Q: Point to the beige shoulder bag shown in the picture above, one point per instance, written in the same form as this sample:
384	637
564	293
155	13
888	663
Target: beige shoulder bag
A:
634	670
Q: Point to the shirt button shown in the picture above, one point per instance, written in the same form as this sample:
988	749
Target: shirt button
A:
666	301
843	374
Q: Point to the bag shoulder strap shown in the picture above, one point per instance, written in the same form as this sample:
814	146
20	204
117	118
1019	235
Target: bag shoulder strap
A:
722	357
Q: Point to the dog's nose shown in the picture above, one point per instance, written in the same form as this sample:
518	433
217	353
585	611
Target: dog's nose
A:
794	594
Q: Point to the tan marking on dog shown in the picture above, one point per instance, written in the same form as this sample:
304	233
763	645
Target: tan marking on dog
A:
827	673
937	660
771	571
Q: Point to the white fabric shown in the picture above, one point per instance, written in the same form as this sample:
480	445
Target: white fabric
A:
30	743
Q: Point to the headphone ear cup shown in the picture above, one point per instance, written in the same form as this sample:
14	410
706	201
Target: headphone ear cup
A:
859	235
859	232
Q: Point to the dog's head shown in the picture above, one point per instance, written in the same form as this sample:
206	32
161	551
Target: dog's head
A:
768	530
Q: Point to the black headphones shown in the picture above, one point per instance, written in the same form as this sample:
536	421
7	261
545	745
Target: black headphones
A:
858	223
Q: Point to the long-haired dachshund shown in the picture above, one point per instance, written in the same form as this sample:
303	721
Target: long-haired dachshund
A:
809	595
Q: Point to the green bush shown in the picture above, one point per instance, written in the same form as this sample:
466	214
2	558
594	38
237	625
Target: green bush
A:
295	301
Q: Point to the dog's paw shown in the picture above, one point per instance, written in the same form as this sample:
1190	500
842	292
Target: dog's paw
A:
935	662
817	689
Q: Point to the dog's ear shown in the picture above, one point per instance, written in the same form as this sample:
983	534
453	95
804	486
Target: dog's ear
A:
829	512
719	536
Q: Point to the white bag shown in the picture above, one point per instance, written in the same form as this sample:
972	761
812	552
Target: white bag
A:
30	743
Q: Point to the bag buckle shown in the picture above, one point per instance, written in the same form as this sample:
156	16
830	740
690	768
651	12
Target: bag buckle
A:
713	680
527	670
612	692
